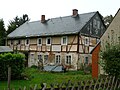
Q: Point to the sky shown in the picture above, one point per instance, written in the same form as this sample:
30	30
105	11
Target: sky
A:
9	9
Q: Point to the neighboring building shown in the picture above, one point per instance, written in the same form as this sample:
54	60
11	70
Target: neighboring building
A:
65	40
111	35
4	49
95	60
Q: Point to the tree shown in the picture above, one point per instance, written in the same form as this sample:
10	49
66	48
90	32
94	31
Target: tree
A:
2	33
111	60
107	20
16	22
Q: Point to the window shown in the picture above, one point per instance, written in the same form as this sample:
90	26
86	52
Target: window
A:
86	60
68	59
32	56
39	41
11	42
57	59
97	40
27	42
45	58
40	57
19	42
86	41
48	41
64	40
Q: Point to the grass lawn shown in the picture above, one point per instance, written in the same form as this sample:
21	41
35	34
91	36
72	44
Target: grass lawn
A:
37	77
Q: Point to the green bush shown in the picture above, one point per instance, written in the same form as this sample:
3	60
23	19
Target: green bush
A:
111	60
34	66
15	61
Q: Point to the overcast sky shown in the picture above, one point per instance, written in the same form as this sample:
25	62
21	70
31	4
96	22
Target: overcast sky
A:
54	8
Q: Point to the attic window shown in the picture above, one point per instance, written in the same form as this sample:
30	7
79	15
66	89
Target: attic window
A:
86	41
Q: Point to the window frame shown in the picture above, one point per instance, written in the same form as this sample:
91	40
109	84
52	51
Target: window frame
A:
39	44
45	61
86	41
19	42
67	61
11	42
59	59
86	60
47	41
62	40
27	44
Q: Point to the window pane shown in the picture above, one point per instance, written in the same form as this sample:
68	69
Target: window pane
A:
19	41
86	60
39	41
58	59
68	59
27	41
48	40
11	41
45	58
64	40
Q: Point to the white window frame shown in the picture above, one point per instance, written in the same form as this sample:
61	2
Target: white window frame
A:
38	42
62	42
59	59
47	40
67	62
26	42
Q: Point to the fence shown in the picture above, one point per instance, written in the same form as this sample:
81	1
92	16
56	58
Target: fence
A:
108	83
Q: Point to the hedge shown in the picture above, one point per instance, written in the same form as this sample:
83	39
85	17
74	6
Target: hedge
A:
15	61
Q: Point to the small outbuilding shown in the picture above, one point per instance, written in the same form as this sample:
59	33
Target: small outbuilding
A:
4	49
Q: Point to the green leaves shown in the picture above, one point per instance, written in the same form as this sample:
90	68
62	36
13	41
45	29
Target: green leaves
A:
111	57
15	61
16	22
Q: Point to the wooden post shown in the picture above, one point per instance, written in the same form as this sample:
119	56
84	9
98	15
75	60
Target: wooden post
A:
9	77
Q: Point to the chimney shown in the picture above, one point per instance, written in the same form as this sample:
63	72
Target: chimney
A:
75	12
43	18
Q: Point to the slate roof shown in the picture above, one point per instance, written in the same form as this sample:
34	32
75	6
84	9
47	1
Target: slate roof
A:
54	26
5	49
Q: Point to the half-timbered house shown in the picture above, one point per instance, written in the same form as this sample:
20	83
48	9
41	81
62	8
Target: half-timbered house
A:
64	40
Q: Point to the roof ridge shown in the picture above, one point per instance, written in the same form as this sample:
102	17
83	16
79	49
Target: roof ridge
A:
62	17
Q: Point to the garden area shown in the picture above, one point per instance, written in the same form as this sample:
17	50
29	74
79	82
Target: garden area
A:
36	76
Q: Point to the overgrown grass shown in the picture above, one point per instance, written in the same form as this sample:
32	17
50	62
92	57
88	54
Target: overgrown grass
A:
38	77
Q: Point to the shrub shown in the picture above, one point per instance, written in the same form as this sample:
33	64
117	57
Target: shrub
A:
15	61
34	66
111	60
